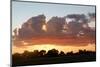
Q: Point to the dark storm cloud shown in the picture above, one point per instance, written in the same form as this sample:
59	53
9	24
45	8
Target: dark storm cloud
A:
92	19
78	17
37	23
75	27
80	24
32	27
92	15
55	25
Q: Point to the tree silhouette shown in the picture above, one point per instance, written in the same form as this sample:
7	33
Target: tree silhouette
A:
61	53
70	53
52	53
52	56
35	53
16	56
42	53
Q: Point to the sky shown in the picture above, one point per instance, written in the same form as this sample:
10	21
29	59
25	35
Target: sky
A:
47	47
22	11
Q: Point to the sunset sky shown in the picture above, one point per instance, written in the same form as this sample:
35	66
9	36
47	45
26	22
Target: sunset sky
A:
23	11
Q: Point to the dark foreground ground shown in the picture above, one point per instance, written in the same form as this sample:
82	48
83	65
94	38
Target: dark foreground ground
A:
53	59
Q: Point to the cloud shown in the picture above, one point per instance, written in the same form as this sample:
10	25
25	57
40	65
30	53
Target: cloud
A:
55	25
32	33
32	27
92	20
37	23
78	17
92	15
54	41
74	27
81	23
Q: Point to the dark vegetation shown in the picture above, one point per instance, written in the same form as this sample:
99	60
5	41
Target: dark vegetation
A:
52	56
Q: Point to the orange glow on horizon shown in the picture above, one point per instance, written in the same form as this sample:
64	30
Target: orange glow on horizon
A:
90	47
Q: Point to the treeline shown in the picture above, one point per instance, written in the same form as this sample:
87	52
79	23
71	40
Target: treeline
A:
52	56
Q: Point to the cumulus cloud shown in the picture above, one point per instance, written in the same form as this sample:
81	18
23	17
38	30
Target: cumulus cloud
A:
92	20
32	27
78	17
32	31
55	25
81	23
75	27
92	15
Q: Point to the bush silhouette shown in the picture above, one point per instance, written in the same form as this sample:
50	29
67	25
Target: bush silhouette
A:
42	53
61	53
52	53
51	56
